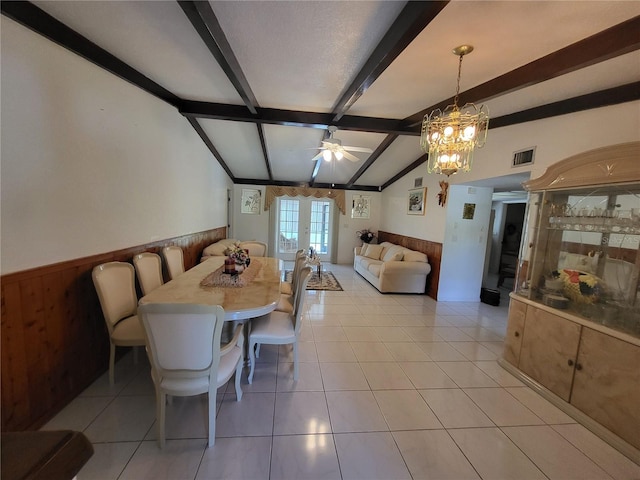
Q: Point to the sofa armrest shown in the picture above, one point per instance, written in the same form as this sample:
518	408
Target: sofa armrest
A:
399	267
357	250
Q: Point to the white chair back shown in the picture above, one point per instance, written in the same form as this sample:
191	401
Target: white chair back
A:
149	269
298	302
174	259
183	339
115	285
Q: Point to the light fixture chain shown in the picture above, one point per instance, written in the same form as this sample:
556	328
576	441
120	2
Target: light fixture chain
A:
455	100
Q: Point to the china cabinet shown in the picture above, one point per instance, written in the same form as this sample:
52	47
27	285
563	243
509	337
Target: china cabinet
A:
574	319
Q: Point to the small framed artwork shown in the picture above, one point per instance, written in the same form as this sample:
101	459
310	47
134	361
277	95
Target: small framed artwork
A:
415	201
417	182
361	206
468	211
251	200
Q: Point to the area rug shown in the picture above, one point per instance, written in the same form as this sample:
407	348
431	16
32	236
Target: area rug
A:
327	282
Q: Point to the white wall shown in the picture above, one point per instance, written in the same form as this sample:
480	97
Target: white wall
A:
464	246
90	163
256	227
394	216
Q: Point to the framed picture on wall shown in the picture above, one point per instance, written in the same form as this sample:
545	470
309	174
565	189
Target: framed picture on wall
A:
251	200
468	211
415	201
361	206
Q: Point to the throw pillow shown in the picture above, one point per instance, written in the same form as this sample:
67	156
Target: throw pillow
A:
413	256
373	252
393	253
363	249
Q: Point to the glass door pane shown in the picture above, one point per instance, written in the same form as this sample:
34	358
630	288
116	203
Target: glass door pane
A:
303	223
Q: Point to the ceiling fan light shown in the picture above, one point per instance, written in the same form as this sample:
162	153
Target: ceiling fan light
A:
339	155
327	155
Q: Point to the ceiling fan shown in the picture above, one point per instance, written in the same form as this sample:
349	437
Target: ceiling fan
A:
333	148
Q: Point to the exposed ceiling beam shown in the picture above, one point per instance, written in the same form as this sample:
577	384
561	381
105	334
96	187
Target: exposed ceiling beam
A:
296	118
263	144
201	16
389	139
205	138
603	98
413	18
612	42
282	183
39	21
415	164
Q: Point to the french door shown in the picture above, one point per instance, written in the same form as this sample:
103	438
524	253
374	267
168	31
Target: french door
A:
304	222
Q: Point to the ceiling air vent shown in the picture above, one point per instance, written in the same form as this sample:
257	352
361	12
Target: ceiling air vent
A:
523	157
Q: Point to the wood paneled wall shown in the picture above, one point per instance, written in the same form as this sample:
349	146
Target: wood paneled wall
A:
433	251
54	339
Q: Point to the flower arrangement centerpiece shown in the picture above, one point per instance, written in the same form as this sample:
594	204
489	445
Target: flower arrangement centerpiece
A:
239	255
581	287
366	235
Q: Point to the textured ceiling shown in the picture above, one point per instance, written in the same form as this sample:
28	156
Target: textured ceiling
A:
261	81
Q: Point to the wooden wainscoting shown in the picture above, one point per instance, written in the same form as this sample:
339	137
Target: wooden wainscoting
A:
433	251
54	339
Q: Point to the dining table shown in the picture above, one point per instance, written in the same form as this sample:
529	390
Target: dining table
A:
252	293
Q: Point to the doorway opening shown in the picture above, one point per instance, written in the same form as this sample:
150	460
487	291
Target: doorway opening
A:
303	222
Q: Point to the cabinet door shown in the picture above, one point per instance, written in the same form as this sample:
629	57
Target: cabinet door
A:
607	383
549	350
515	329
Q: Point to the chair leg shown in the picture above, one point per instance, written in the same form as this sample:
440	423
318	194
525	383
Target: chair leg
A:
112	364
160	416
295	361
212	418
258	350
252	361
237	381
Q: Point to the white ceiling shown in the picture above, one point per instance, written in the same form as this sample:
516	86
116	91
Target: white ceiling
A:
301	56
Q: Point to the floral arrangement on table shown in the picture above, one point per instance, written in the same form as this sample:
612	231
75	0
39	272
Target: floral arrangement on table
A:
366	235
581	287
238	254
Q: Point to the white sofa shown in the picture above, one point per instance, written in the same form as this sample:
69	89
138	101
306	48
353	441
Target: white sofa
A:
392	268
218	249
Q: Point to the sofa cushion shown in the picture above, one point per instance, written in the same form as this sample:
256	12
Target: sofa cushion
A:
413	256
373	251
366	262
363	249
394	253
374	268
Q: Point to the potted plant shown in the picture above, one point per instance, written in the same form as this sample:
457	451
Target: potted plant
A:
366	235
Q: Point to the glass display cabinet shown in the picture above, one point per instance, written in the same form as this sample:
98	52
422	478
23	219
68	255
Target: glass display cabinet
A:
573	331
583	253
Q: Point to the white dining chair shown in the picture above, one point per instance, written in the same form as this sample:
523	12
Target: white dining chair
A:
174	258
115	286
183	344
286	287
279	328
286	302
149	271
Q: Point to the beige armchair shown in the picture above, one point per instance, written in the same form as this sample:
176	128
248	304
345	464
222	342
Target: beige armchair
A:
115	285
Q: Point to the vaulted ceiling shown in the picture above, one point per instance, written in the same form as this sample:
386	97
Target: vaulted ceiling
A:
261	81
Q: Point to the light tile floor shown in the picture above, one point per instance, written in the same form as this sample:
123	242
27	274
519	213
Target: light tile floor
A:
391	387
